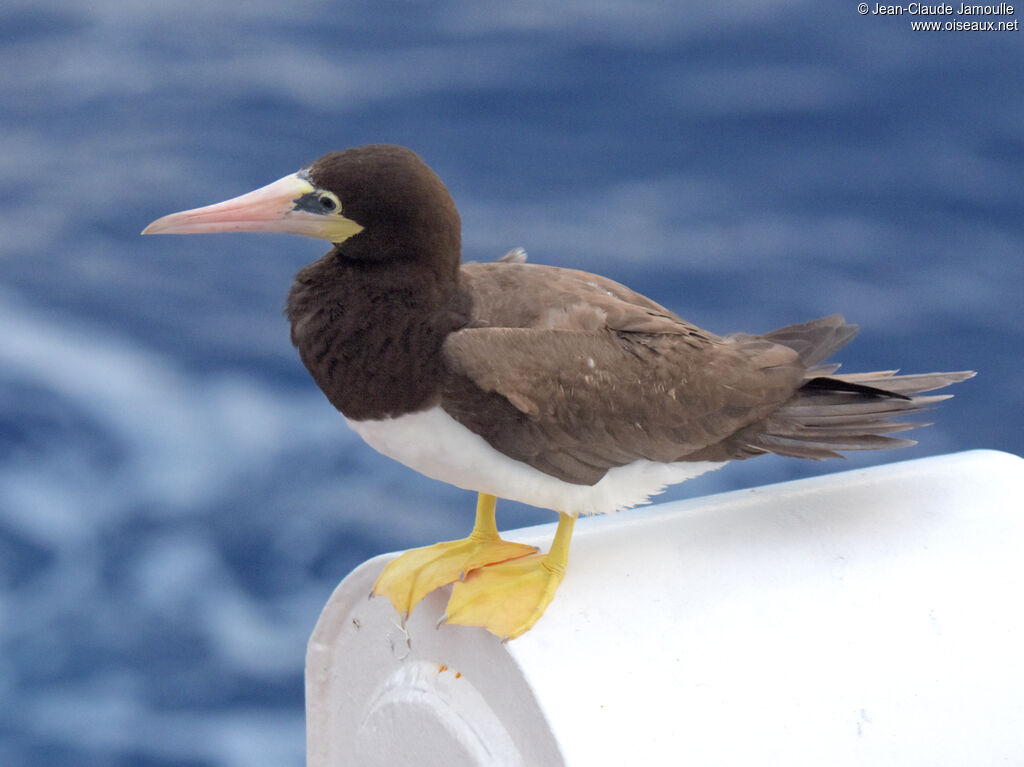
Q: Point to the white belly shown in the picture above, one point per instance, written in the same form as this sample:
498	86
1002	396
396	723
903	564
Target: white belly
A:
435	444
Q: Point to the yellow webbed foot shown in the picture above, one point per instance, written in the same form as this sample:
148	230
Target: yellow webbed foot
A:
406	580
417	572
507	599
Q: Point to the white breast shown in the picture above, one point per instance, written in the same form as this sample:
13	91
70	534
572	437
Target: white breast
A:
435	444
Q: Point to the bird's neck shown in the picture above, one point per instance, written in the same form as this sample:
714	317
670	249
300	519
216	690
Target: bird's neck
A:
370	333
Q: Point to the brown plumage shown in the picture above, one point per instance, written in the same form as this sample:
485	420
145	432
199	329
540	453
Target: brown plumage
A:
550	386
567	371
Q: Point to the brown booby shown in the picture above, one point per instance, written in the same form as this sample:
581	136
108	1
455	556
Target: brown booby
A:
549	386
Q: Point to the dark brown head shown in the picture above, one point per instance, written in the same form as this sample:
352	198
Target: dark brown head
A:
375	203
399	202
369	318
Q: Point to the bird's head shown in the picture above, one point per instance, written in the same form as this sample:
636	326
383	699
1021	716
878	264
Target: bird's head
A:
373	202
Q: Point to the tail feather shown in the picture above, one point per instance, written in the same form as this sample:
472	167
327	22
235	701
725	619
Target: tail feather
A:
908	384
808	430
823	407
815	340
801	448
833	412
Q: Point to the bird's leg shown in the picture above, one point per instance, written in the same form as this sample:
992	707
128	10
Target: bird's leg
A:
508	598
417	572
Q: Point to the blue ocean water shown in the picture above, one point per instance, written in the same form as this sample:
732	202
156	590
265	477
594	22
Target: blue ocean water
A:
176	498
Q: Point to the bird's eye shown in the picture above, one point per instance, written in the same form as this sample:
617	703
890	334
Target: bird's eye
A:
328	201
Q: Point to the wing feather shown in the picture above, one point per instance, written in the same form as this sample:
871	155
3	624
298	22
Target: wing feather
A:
575	374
